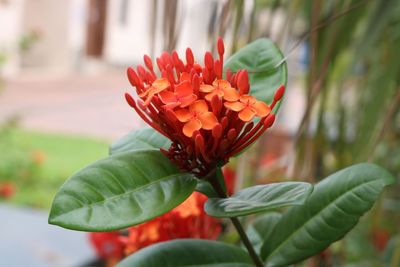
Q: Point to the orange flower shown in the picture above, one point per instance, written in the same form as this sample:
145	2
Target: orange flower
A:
188	220
196	118
39	157
182	96
207	117
156	87
248	107
221	88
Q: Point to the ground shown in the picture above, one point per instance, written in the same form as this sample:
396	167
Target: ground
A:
91	105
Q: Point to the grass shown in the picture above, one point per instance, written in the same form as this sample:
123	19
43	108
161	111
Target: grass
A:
55	157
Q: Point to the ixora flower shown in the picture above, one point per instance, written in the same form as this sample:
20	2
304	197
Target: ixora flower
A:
188	220
208	117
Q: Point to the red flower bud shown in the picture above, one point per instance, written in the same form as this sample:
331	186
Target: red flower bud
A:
279	93
132	77
189	57
209	61
221	47
243	82
147	62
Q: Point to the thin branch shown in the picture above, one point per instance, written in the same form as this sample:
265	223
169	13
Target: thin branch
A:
212	179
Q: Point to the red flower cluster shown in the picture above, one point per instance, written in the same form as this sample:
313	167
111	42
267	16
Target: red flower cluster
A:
108	245
207	118
188	220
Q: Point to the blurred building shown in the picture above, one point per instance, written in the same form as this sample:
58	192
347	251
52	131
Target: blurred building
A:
65	36
49	39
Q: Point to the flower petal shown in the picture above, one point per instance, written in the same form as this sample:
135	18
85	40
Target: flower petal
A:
247	99
168	97
160	85
183	115
146	92
235	106
184	89
171	105
208	120
230	94
209	96
191	126
261	108
186	101
206	88
222	84
247	114
199	106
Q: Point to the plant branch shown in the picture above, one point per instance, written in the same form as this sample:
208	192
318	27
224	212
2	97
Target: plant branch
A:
212	179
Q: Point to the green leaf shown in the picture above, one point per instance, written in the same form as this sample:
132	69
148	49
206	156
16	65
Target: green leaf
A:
259	198
146	138
261	228
119	191
261	58
189	252
205	188
333	208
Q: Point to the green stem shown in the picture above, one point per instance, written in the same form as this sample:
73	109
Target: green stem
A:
213	180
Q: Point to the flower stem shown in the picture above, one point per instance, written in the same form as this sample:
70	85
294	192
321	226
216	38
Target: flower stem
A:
212	179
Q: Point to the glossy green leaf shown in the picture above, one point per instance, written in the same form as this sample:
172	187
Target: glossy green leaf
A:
261	59
259	198
146	138
189	252
119	191
205	188
333	208
261	228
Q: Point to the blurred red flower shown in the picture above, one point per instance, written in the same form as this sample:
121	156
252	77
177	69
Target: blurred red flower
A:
107	245
188	220
7	189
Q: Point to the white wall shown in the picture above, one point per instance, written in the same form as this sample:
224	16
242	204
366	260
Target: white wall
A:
77	26
10	32
50	19
126	44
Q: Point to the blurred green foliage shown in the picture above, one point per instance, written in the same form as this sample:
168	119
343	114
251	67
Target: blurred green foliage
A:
38	164
352	95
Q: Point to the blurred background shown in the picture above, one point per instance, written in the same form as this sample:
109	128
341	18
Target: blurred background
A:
62	79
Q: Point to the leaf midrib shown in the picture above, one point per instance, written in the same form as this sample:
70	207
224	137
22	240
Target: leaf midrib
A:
311	218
